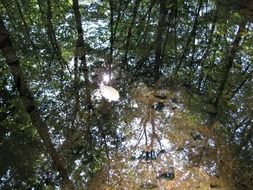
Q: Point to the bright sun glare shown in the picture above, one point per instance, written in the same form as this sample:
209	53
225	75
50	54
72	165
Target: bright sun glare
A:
106	78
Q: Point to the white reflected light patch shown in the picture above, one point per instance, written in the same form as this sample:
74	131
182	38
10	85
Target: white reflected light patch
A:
109	93
106	78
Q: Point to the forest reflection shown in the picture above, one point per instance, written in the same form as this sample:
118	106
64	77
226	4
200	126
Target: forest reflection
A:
181	116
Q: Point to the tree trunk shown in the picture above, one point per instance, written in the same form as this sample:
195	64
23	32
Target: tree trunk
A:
81	52
29	103
159	39
229	63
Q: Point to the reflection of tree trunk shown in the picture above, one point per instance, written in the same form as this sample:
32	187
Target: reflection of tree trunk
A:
144	25
119	14
129	33
52	36
152	121
247	135
189	39
226	70
51	33
145	131
112	37
207	51
25	25
228	64
29	103
81	53
76	85
246	75
150	117
159	39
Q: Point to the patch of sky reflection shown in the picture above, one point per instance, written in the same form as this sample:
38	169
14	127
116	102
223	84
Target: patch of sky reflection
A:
95	29
58	138
77	163
209	6
230	38
5	177
211	169
50	100
211	142
245	59
86	2
9	85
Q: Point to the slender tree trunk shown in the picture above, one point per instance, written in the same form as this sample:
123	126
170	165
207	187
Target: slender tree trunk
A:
159	39
80	52
112	37
129	33
29	103
48	14
244	77
25	25
246	136
207	52
146	19
189	39
229	63
76	86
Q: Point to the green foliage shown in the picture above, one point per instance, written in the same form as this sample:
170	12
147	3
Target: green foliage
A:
198	41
